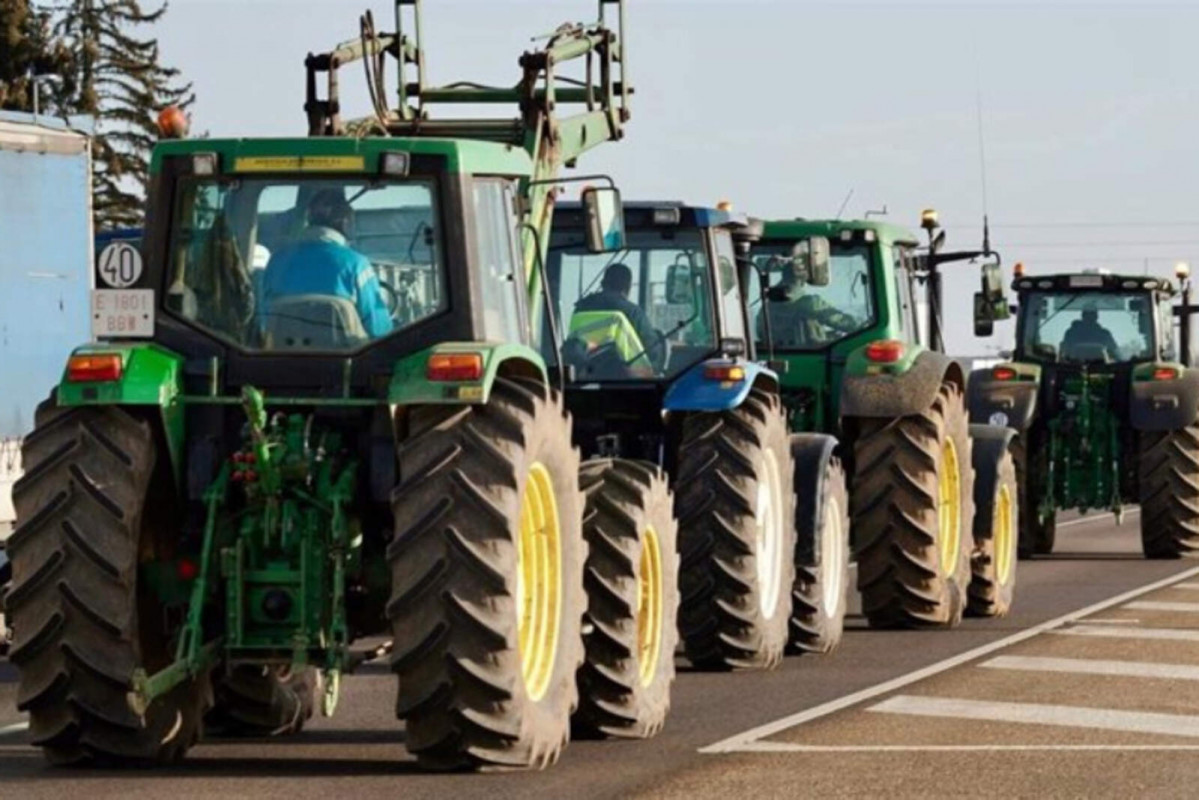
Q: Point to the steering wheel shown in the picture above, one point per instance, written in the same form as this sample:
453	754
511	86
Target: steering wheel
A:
391	298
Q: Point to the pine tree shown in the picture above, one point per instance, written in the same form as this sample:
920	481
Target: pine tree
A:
120	82
27	48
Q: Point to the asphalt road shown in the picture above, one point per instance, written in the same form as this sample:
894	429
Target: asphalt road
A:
1028	711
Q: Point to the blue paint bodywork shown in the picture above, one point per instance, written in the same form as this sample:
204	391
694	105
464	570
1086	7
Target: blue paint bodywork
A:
692	391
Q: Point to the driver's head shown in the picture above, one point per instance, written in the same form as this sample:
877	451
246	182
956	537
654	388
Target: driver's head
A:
795	274
617	278
328	208
1090	316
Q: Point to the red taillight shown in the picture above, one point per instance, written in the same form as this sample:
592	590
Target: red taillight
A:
1003	374
1165	374
725	373
885	351
454	367
94	368
187	569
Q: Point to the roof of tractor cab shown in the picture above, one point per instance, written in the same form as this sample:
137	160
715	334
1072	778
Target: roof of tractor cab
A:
800	228
1093	282
336	154
655	214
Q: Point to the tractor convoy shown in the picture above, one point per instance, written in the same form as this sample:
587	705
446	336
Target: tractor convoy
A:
378	393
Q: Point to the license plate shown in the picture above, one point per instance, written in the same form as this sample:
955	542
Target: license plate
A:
123	313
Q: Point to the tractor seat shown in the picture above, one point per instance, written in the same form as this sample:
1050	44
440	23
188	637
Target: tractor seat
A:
1086	351
314	322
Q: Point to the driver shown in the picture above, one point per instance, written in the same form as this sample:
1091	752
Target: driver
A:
798	318
323	263
614	296
1087	331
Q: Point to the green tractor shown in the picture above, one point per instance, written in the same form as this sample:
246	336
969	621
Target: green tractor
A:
1105	405
318	413
932	498
662	369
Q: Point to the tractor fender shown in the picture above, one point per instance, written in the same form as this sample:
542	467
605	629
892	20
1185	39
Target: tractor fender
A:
410	383
1010	403
988	444
694	391
898	393
811	453
151	376
1163	405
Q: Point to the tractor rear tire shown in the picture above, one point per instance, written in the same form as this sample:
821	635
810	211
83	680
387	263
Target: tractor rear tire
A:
257	701
1169	493
1037	536
487	594
633	600
996	532
735	502
83	621
913	551
819	595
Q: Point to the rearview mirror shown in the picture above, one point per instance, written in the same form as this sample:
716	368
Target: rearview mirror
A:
983	324
993	293
678	284
604	219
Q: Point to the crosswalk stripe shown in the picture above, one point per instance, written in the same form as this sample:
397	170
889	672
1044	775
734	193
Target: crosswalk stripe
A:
1087	666
1191	586
1112	632
1157	605
1041	714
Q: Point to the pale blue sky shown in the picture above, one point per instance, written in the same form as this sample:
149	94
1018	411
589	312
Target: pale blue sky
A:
1090	110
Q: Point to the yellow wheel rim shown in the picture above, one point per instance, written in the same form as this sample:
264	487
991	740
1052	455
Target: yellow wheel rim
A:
539	581
1003	534
949	509
649	607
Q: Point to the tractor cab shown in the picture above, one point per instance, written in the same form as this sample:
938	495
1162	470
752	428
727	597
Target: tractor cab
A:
656	323
1094	319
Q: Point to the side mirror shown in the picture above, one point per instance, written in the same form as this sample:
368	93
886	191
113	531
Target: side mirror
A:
983	324
605	219
811	256
678	285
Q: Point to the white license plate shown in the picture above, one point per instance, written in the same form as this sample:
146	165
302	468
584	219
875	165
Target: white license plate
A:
122	313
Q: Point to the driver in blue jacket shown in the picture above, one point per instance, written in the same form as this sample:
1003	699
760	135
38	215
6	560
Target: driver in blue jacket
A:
322	262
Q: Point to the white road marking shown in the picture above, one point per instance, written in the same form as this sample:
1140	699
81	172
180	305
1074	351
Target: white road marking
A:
1155	605
1108	719
788	747
1112	621
1174	634
1108	517
738	741
14	728
1088	666
1191	586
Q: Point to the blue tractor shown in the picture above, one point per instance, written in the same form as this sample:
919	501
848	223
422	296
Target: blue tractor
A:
658	364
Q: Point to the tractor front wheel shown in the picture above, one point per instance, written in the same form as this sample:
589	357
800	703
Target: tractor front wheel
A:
633	600
262	701
996	529
818	597
487	596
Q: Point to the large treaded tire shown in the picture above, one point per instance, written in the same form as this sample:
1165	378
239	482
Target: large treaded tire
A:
619	695
454	563
262	701
82	627
1168	467
724	460
1036	538
991	593
816	624
895	501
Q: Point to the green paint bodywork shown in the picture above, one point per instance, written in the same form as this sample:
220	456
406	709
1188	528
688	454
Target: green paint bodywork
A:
1084	454
812	379
151	376
410	386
